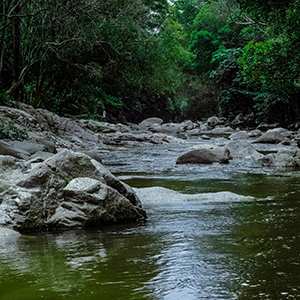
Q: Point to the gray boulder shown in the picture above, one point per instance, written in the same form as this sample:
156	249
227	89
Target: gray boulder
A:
283	159
27	146
9	242
188	125
222	130
119	138
88	202
7	148
169	128
240	135
153	195
205	155
270	137
150	121
204	128
213	121
8	162
48	145
103	127
284	132
255	133
6	232
242	149
68	190
243	120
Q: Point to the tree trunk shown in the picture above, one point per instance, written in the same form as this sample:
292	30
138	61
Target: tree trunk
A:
17	55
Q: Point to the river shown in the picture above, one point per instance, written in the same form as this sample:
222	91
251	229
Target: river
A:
213	232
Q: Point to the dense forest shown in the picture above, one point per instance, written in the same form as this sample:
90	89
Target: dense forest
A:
120	60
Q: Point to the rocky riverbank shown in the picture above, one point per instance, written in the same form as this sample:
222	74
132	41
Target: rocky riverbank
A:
52	175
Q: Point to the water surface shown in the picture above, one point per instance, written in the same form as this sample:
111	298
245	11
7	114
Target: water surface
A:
188	249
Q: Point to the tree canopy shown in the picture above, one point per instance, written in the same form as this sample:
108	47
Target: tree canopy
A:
140	58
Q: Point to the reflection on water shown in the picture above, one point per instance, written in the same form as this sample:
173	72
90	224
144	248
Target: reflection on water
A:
269	248
187	250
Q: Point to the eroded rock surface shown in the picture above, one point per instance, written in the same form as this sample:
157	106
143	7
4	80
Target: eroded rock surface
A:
205	154
67	190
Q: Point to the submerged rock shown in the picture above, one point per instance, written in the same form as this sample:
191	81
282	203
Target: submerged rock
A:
154	195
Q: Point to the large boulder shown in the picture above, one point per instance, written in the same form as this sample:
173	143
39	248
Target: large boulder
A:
19	117
284	158
222	130
255	133
169	128
240	135
205	154
120	138
7	148
103	127
242	149
89	202
272	136
242	120
68	190
188	125
213	121
150	121
9	242
27	146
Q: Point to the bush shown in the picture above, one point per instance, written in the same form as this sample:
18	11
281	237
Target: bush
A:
8	130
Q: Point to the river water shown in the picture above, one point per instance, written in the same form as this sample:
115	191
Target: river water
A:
203	238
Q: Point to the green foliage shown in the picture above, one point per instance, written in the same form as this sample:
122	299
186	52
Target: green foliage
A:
272	65
4	97
234	97
8	130
203	44
66	181
266	104
226	59
7	100
138	58
197	97
186	12
213	28
83	57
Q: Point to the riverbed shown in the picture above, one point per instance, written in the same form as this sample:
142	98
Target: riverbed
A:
239	240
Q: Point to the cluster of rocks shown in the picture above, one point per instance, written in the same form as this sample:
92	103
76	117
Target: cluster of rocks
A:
56	179
240	144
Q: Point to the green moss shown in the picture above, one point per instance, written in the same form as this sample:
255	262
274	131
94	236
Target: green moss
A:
66	181
8	130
